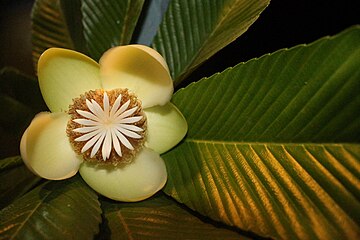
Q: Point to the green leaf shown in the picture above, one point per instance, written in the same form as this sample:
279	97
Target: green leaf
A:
9	163
109	23
287	191
309	93
193	31
15	180
49	28
266	148
55	210
88	26
72	17
157	218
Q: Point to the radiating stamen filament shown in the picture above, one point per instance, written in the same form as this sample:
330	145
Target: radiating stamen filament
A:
107	127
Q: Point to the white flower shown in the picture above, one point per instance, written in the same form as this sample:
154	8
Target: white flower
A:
102	115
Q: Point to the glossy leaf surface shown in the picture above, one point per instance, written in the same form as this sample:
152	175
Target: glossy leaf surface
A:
266	146
193	31
15	180
55	210
158	218
88	26
49	28
109	23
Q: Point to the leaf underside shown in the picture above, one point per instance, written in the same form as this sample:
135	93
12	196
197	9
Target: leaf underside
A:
283	191
157	218
272	145
193	31
55	210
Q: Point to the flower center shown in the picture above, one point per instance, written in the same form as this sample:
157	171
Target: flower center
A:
107	126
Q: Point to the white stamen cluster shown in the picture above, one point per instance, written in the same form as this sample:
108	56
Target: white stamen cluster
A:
108	127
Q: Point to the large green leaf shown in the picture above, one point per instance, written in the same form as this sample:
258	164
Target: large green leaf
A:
49	28
109	23
266	146
88	26
193	31
304	94
284	191
15	179
157	218
55	210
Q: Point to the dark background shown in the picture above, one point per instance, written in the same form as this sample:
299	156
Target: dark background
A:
283	24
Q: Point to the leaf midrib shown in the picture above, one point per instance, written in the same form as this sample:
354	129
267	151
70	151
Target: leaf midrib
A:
123	222
226	142
30	215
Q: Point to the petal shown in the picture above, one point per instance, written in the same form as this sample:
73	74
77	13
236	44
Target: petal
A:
128	133
116	143
122	109
45	147
116	106
166	127
131	182
140	69
129	120
64	75
88	115
124	140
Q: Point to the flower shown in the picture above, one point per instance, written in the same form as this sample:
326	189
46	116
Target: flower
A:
109	121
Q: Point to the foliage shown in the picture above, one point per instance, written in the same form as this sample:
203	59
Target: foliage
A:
273	143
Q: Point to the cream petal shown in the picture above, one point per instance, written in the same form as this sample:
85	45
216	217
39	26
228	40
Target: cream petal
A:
45	147
23	151
65	74
166	127
140	69
131	182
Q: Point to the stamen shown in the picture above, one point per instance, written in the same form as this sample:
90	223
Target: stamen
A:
112	120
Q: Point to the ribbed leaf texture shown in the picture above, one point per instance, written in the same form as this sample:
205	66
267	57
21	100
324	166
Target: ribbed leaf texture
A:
49	28
8	163
305	94
266	149
88	26
283	191
55	210
15	179
109	23
193	31
158	218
